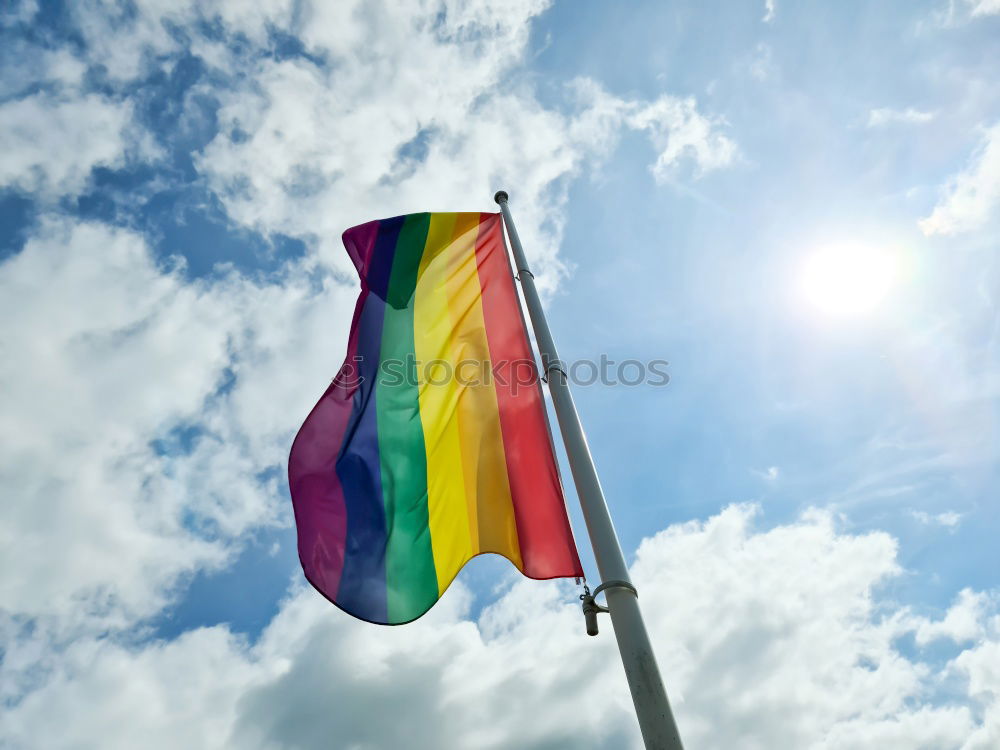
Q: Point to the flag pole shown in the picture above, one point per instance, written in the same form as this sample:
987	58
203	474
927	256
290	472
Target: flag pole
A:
659	731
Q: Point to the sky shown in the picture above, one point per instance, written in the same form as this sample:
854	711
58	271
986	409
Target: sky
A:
797	205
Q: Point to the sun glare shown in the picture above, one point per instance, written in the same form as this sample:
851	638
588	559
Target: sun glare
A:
847	281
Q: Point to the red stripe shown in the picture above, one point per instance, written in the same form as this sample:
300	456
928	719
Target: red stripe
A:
543	530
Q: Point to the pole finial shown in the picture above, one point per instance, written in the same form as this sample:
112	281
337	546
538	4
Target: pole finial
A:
500	196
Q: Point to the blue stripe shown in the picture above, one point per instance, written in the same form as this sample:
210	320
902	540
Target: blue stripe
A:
362	590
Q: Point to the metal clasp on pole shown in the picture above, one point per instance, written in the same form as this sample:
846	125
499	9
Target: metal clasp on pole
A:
590	606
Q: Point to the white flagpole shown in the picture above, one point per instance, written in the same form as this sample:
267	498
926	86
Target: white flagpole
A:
659	731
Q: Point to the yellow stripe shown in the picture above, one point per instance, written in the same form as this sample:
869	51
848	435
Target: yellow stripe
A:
447	508
484	464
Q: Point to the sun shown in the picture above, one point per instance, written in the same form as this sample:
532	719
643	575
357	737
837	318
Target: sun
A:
847	280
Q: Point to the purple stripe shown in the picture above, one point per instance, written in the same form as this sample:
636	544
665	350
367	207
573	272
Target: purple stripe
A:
362	589
360	242
317	495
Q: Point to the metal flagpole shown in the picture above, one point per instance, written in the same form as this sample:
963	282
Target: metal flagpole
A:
659	731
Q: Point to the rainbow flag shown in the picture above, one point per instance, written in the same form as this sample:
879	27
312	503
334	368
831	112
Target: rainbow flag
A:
430	446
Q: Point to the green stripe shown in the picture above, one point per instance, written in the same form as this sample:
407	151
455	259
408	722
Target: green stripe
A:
411	580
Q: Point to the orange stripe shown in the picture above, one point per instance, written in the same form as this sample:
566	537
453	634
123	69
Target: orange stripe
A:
544	535
484	466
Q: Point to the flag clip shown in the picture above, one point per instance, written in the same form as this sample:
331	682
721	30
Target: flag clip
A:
591	608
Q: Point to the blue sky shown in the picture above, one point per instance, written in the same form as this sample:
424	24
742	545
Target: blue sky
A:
809	504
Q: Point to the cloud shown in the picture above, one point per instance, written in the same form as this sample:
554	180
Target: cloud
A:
129	41
770	8
18	11
964	11
33	69
948	518
680	134
884	116
762	64
298	134
79	133
112	353
770	473
966	621
767	639
55	129
983	7
297	137
970	198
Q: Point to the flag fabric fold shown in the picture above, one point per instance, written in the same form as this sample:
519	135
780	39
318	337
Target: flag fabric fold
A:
430	446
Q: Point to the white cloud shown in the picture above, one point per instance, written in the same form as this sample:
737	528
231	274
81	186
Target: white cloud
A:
28	67
983	7
980	666
970	198
958	12
18	11
377	139
163	695
966	621
364	131
50	143
130	40
770	8
770	473
766	639
107	350
52	132
948	518
111	351
678	131
883	116
762	64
